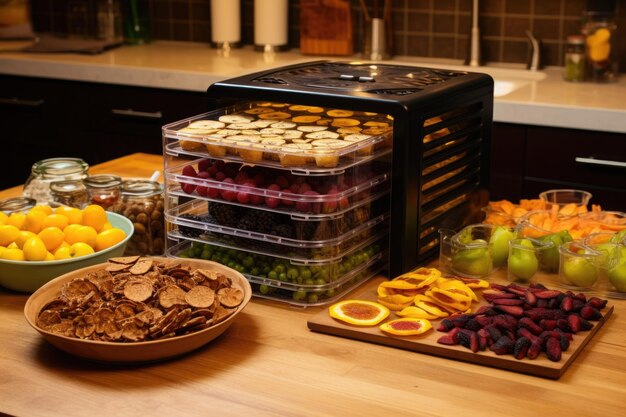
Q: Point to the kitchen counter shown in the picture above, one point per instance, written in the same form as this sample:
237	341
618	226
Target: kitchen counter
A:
269	364
535	98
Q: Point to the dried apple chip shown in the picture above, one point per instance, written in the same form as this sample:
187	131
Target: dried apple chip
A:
171	296
200	296
138	290
230	296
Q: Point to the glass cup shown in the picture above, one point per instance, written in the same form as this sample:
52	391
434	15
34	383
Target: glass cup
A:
526	258
580	265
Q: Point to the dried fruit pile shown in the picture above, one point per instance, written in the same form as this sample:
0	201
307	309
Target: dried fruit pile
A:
139	299
523	321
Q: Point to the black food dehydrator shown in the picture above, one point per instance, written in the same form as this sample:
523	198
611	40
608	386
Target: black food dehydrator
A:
343	169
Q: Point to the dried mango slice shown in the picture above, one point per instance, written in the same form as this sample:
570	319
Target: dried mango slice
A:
390	305
432	308
359	312
399	284
407	326
398	299
416	312
473	283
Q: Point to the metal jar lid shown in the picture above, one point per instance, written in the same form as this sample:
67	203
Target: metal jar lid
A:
141	188
102	181
17	204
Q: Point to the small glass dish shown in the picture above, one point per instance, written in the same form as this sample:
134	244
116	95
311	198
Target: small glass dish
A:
527	257
576	200
580	266
475	251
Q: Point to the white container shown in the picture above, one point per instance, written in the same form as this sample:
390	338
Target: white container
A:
225	22
270	23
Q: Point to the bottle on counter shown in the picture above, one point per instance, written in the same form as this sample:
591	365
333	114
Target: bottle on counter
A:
70	193
104	190
575	58
600	31
45	172
141	201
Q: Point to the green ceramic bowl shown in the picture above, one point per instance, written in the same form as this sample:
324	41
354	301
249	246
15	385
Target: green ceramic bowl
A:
28	276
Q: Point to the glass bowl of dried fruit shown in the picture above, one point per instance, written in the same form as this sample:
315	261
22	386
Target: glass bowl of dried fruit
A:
19	274
133	309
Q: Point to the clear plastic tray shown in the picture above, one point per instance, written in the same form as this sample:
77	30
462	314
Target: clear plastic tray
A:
266	225
278	190
286	280
282	135
304	252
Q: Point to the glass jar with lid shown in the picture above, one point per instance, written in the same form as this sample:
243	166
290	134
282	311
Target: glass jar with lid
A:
575	58
104	190
141	201
47	171
17	204
70	193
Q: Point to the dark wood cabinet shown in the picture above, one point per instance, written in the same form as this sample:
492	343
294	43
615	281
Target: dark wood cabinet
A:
45	118
527	160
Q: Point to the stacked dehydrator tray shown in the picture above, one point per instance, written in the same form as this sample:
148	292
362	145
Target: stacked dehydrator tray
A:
312	178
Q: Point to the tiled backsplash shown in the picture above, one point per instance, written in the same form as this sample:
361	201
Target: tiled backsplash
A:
429	28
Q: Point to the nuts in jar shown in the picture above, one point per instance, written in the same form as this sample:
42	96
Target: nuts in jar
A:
141	201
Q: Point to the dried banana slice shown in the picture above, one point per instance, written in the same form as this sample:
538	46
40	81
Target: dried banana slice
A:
283	125
372	123
301	140
257	110
227	132
272	131
206	124
296	155
349	130
312	128
276	115
323	134
250	132
234	118
242	126
330	143
273	143
345	122
310	109
339	113
359	137
356	137
264	123
306	119
292	134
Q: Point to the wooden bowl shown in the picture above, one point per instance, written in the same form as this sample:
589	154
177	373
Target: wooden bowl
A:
133	352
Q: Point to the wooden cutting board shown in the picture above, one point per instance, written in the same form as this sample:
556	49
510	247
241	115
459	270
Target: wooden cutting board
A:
427	343
326	27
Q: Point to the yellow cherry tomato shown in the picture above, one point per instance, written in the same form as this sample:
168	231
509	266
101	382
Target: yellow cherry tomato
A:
80	249
45	209
17	219
34	220
94	216
109	238
22	237
52	237
74	215
3	218
13	254
55	220
34	249
8	234
84	234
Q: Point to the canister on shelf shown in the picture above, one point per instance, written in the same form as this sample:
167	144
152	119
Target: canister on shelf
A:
575	58
600	30
70	193
47	171
141	201
104	190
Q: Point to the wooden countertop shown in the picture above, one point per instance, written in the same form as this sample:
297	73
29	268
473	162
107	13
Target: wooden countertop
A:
269	364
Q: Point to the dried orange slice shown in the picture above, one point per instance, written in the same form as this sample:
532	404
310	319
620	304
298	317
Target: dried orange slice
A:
359	312
407	326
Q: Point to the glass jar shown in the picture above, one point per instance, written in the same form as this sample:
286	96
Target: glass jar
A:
104	190
70	193
600	31
47	171
141	201
17	204
575	58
